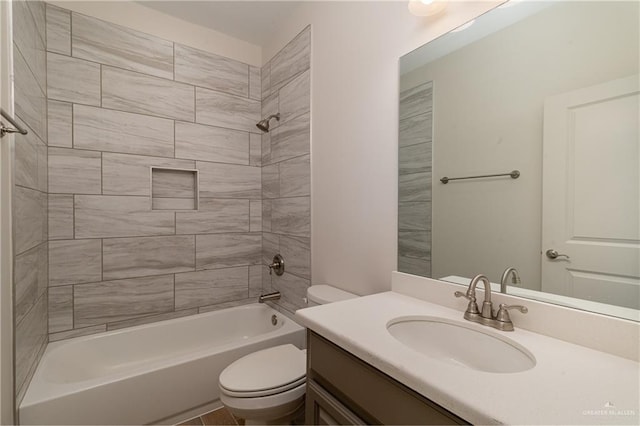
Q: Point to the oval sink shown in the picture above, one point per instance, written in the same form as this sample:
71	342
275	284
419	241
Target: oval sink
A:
456	343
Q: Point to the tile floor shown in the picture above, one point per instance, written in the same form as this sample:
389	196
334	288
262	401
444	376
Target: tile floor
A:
221	416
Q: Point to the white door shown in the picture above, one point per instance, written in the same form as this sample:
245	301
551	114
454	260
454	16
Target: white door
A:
591	193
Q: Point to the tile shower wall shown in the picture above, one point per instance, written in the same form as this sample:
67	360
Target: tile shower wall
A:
414	181
286	215
30	191
121	102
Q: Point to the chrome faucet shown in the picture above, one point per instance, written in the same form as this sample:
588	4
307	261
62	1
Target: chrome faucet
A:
515	279
500	319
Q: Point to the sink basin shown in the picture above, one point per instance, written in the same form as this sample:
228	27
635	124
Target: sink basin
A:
460	344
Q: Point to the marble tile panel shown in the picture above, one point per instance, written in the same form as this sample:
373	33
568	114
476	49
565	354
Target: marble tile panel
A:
73	171
29	218
227	250
416	129
226	305
60	214
415	158
101	129
266	215
265	80
210	287
30	339
145	256
58	30
104	216
73	80
173	204
151	318
269	107
60	124
265	148
255	280
414	266
270	247
291	216
295	97
43	167
293	59
271	181
207	143
293	290
255	215
295	177
60	308
255	149
414	216
29	99
414	187
133	92
291	139
74	261
297	254
38	11
255	81
416	100
229	181
222	110
78	332
124	174
27	39
30	276
416	244
215	216
122	47
168	183
111	301
212	71
26	160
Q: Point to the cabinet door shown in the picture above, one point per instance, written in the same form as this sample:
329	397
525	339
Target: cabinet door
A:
323	409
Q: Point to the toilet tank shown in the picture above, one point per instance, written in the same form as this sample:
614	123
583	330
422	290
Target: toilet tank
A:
323	294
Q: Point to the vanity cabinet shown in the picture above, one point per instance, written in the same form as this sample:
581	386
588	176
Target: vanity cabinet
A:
343	389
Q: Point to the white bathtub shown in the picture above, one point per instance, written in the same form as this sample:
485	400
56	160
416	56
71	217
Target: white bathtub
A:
162	372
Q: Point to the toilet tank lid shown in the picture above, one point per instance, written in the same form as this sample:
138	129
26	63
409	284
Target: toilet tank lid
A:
323	293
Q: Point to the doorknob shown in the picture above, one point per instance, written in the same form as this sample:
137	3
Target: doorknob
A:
553	254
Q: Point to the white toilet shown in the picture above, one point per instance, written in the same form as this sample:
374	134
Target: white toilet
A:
268	386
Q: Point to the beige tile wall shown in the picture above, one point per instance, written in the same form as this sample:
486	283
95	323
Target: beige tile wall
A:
30	220
121	102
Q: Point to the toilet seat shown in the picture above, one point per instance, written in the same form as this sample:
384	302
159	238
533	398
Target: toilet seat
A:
263	373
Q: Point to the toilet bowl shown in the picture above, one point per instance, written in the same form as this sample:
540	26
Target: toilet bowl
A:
268	386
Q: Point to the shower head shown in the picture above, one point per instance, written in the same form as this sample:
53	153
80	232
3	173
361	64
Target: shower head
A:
264	123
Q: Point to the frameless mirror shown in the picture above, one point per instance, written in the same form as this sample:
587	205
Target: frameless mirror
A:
547	89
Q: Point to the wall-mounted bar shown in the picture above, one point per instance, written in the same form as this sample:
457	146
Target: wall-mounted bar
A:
515	174
16	127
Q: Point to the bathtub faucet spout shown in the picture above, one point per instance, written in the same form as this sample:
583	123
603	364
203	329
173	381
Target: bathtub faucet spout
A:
269	296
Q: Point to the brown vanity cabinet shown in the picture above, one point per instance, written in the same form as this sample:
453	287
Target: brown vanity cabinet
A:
344	390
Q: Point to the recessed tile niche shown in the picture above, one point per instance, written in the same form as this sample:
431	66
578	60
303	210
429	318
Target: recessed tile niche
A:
174	189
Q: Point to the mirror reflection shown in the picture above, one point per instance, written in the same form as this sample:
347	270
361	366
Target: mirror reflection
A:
550	90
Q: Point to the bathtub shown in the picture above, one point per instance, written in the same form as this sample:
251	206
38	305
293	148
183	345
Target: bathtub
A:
164	372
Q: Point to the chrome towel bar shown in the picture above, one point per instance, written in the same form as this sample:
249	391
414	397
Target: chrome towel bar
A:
515	174
16	127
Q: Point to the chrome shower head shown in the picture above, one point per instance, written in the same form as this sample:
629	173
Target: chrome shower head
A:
264	123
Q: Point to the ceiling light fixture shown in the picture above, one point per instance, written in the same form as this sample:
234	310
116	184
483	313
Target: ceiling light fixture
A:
427	7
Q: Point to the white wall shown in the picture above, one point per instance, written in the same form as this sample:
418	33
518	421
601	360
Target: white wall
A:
354	131
135	15
490	121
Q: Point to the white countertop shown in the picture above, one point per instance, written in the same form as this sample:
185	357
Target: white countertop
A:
570	384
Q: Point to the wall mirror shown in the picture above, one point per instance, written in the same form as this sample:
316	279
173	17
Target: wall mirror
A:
548	89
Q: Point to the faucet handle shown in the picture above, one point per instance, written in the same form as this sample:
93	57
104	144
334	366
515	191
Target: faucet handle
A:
503	311
472	308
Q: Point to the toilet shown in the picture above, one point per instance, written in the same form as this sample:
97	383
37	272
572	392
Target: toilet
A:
268	386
